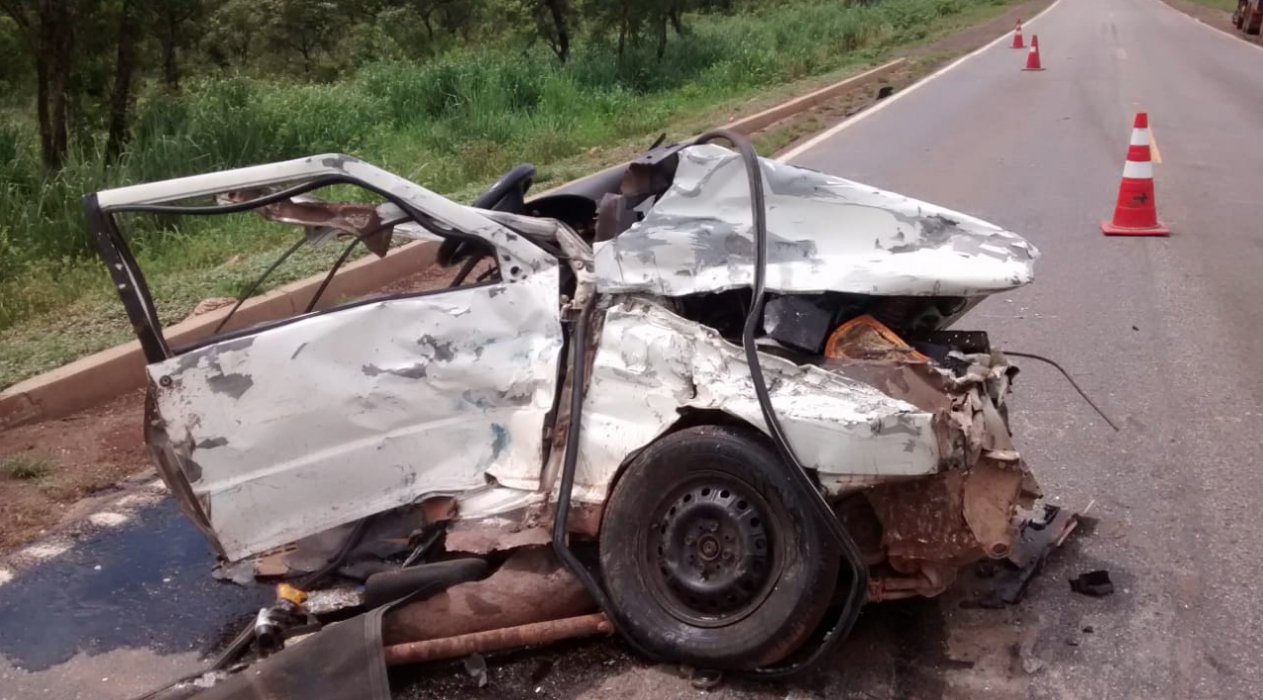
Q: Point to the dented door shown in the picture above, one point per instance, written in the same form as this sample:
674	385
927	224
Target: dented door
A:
327	419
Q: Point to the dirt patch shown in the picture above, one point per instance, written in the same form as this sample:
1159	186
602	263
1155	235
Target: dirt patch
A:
433	277
76	456
1215	17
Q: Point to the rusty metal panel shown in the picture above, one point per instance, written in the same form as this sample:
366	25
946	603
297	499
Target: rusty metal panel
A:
338	416
531	586
825	233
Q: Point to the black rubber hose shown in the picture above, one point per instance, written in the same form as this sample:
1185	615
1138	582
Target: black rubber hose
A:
1073	383
235	648
351	542
578	372
854	600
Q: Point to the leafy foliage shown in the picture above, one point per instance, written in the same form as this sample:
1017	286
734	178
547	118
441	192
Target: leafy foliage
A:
447	92
24	468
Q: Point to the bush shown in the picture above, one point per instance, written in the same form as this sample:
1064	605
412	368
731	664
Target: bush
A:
451	122
24	468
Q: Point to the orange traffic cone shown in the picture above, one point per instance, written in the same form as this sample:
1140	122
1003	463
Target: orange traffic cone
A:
1136	213
1032	58
1017	36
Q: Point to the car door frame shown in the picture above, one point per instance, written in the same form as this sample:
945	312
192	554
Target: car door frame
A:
518	259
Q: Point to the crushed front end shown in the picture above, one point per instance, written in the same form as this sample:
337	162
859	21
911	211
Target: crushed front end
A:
917	533
908	433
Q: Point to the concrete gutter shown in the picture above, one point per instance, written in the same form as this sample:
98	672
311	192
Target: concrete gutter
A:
762	120
98	378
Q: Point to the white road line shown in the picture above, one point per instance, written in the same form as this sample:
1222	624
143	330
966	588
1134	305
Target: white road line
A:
115	514
133	501
826	135
107	519
1236	39
45	551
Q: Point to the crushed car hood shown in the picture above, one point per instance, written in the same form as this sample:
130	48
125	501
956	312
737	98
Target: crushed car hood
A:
824	234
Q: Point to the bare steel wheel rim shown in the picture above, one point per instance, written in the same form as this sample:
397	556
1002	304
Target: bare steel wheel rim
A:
712	553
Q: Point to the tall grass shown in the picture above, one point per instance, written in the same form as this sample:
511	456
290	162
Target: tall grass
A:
449	123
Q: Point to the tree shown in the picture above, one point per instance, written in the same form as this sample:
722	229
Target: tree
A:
621	14
124	68
48	29
633	18
14	74
230	32
664	11
551	23
301	27
172	20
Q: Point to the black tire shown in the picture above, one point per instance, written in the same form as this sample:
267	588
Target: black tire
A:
710	556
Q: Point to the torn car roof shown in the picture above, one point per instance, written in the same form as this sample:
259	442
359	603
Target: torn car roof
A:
824	234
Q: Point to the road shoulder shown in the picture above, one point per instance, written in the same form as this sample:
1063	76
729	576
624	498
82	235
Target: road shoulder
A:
1214	18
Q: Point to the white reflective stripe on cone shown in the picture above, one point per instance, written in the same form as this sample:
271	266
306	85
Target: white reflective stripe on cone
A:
1140	137
1138	170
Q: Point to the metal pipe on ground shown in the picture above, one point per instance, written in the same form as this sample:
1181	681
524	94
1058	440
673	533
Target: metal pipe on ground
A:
530	587
531	635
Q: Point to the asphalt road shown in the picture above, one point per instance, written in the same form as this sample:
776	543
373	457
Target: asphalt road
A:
1162	332
115	607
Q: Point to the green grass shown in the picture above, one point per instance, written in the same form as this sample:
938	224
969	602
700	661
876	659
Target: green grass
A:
1225	5
24	468
452	124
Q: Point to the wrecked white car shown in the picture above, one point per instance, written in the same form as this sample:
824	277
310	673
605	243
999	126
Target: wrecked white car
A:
722	410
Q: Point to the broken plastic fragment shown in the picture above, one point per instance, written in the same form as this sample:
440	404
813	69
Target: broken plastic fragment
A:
476	667
1094	583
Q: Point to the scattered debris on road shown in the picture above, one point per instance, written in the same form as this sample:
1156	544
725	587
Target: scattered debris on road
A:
476	667
1038	537
1093	583
1041	531
705	679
